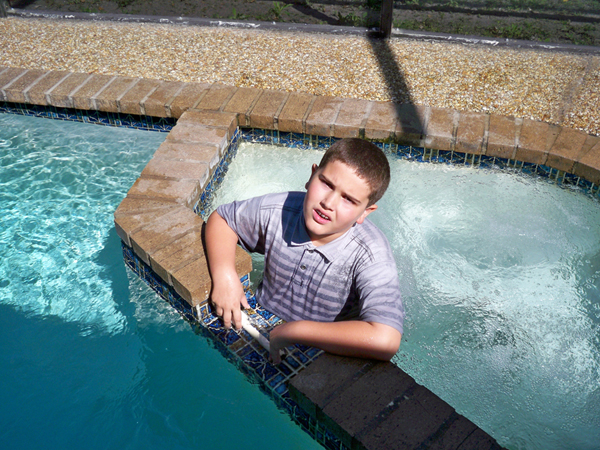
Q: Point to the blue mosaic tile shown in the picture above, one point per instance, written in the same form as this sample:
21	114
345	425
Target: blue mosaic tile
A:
277	380
285	370
302	358
292	362
281	389
332	442
95	117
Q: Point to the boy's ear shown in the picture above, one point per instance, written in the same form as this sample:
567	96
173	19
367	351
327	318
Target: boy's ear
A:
313	170
365	213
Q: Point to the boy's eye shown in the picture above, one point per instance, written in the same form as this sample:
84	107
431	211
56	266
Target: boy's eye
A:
326	183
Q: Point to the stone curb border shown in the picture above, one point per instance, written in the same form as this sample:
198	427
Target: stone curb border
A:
367	404
526	140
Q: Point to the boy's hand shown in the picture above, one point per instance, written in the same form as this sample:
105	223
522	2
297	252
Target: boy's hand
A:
277	342
349	338
227	292
228	298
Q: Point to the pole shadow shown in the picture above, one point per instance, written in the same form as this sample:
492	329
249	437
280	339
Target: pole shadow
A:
406	111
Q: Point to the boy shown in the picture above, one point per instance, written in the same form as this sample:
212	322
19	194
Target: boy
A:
329	273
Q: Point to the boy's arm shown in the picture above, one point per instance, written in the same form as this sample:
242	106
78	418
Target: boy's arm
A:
348	338
227	292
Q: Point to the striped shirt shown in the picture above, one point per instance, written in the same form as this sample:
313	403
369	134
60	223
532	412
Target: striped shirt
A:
351	277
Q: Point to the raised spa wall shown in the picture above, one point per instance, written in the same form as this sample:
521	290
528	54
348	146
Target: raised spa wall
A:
365	404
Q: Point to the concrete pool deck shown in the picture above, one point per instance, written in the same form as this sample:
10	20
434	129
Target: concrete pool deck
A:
156	218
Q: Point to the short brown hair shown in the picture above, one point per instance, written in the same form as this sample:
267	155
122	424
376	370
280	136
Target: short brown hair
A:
366	158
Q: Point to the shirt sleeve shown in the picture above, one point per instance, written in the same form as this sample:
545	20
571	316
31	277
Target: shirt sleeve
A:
378	288
244	218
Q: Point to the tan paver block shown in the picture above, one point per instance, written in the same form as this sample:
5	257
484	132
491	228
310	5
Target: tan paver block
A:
131	101
352	117
16	91
83	96
381	123
163	231
186	132
588	166
502	137
189	152
590	143
216	97
130	206
193	281
241	103
411	123
177	170
532	145
471	132
266	109
294	112
418	415
183	192
458	429
127	224
243	262
36	94
312	388
155	102
567	149
479	439
107	100
60	95
323	115
224	120
439	133
185	99
8	76
355	407
179	253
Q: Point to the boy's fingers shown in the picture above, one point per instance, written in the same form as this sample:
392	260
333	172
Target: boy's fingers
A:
244	301
226	316
275	358
237	319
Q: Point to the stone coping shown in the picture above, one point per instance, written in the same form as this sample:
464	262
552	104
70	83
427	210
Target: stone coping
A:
529	141
368	404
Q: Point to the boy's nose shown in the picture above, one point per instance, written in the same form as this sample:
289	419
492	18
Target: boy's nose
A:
328	201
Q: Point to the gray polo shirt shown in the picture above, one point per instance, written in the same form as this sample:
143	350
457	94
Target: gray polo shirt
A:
351	277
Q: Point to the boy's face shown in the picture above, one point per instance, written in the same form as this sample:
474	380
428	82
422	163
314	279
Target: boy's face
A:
337	198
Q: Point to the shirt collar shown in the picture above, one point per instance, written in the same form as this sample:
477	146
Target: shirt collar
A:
300	238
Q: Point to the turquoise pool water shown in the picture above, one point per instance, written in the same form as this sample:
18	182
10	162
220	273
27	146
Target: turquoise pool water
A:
90	357
501	276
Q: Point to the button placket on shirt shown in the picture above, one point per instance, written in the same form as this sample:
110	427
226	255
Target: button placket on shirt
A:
305	268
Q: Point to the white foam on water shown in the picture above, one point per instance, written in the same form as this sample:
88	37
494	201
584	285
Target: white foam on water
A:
501	280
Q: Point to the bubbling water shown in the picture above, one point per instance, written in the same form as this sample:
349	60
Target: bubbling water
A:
501	278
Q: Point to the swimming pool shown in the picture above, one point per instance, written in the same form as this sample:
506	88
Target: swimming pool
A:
502	280
89	355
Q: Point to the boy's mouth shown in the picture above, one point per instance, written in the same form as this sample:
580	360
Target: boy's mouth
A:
320	217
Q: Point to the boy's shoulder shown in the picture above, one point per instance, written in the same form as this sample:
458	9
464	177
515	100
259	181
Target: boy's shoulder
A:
371	236
291	200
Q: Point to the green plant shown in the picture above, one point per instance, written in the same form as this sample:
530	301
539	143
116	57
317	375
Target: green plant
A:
352	19
235	16
278	8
